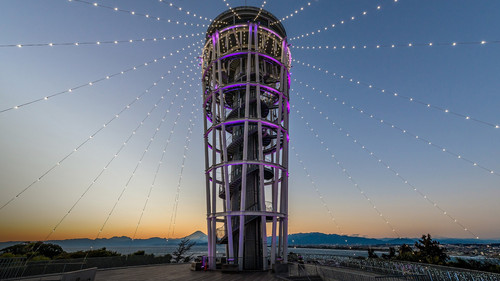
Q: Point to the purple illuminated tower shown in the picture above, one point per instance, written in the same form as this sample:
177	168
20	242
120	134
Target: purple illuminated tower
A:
246	64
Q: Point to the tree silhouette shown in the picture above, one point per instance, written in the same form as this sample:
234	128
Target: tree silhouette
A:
430	251
182	248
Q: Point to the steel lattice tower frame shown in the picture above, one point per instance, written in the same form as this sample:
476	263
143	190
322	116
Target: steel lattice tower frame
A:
246	82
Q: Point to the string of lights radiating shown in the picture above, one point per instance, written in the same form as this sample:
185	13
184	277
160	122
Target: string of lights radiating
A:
152	186
138	164
390	168
398	95
105	168
231	9
134	13
109	42
98	176
404	131
92	83
192	124
291	14
93	135
159	164
332	26
147	149
395	45
347	174
260	10
170	4
321	197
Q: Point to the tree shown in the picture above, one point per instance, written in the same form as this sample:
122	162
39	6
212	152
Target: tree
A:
371	254
430	251
182	248
391	255
406	253
32	249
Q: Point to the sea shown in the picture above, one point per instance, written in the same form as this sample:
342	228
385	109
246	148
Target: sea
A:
201	250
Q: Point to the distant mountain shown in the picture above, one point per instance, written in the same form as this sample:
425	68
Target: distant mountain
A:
311	238
316	238
198	237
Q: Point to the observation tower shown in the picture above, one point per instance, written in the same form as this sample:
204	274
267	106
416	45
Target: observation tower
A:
246	80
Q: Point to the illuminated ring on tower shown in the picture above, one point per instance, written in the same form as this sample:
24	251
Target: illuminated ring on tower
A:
236	85
241	54
242	121
249	162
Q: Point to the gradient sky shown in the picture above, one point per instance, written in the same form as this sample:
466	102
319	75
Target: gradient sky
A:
464	79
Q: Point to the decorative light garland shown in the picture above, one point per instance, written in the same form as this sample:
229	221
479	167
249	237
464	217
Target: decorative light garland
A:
231	9
160	162
390	168
94	134
332	26
291	14
170	4
148	16
315	187
408	45
91	83
346	173
117	153
109	42
395	94
173	216
147	149
260	10
406	132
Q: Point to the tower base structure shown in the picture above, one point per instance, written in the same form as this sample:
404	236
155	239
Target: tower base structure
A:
246	82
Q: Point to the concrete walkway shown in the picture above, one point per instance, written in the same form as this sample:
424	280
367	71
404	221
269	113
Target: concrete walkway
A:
176	272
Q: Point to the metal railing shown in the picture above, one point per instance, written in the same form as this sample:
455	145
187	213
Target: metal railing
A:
18	267
401	269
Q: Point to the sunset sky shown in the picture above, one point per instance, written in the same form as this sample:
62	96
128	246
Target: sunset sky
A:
445	58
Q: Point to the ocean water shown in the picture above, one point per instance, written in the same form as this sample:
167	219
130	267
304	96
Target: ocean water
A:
201	250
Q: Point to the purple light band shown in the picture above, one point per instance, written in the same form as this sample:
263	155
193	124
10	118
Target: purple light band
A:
241	53
232	27
271	31
270	89
269	124
234	163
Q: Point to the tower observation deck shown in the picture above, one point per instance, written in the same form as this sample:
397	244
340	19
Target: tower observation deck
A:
246	80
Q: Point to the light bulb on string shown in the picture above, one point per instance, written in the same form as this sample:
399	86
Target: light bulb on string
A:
396	173
394	94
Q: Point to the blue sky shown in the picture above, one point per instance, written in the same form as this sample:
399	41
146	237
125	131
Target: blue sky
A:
463	79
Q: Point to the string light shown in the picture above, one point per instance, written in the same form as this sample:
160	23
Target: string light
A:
291	14
405	132
145	151
321	197
170	4
116	154
94	134
389	167
114	42
395	94
107	77
231	9
134	13
158	167
173	217
379	46
260	10
348	175
332	26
